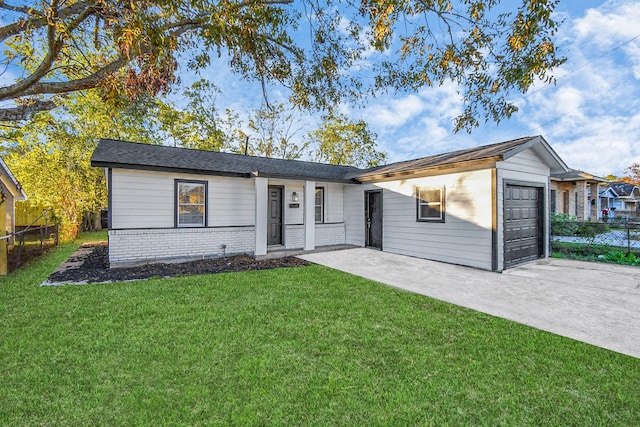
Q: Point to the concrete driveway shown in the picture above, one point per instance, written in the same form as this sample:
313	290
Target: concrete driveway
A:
591	302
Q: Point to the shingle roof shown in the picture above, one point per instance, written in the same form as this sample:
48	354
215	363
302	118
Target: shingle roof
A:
576	175
114	153
622	189
492	152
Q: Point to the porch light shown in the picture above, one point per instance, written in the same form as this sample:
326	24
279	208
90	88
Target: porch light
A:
294	197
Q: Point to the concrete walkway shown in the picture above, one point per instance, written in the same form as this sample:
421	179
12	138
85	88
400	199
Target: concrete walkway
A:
591	302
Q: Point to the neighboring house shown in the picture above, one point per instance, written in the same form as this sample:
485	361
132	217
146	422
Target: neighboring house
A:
485	207
10	192
621	200
575	193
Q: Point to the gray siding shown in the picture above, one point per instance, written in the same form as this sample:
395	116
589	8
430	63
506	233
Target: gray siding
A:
145	199
354	213
464	237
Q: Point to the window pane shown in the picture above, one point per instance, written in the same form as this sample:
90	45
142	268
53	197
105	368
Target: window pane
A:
430	195
191	215
191	203
430	211
191	193
319	204
430	203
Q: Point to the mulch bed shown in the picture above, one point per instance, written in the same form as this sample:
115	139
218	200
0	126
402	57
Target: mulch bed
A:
95	267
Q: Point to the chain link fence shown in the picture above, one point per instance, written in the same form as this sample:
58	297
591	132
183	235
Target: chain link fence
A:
29	243
603	240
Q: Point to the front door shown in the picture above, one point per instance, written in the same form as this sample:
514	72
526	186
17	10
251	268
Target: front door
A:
274	219
373	218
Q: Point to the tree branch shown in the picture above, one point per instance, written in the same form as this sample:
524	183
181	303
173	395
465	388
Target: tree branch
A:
55	45
263	3
41	20
21	9
88	82
23	111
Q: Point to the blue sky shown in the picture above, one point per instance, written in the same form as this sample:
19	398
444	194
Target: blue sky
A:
591	117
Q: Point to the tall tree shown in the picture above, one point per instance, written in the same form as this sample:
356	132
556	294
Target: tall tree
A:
198	125
316	48
633	173
341	141
50	154
276	130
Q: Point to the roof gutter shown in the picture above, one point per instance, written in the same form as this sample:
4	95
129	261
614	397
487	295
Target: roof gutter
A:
253	174
98	163
303	177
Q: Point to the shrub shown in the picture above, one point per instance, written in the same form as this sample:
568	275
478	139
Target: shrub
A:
622	258
568	225
588	252
591	229
563	224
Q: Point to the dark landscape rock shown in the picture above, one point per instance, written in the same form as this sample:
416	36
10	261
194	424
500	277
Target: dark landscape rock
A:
95	267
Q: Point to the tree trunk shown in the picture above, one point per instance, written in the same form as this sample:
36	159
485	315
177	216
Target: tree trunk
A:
97	223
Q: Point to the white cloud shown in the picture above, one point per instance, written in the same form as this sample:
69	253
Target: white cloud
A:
606	146
396	112
613	22
589	117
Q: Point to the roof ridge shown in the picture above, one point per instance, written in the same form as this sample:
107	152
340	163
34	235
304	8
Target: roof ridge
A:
460	151
226	153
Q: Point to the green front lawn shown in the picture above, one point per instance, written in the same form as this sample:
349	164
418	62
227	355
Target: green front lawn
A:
297	346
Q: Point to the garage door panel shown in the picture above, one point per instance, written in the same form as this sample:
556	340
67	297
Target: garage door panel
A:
522	228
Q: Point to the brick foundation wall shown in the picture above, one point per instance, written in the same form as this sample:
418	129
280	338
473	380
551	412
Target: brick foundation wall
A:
330	234
326	235
156	245
294	236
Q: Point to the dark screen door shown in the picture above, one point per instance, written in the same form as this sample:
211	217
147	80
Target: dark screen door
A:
274	220
373	218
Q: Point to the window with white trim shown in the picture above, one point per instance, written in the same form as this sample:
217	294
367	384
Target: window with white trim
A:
191	203
430	204
319	204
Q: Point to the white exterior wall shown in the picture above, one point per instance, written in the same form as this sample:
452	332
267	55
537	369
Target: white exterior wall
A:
151	245
465	236
354	213
525	167
294	236
143	223
333	201
146	199
332	232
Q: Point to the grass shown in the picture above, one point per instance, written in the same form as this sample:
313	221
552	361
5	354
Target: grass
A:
302	346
